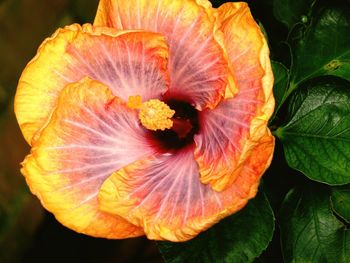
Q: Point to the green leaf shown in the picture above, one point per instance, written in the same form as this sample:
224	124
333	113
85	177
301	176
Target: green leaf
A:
316	138
291	12
280	87
325	47
309	230
238	238
341	201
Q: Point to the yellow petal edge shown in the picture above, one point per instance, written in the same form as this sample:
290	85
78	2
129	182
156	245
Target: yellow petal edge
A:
258	126
41	81
83	218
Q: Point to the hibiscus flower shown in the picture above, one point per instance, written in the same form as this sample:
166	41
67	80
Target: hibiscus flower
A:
152	121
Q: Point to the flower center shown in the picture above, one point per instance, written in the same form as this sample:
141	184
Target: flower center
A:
153	114
185	126
171	125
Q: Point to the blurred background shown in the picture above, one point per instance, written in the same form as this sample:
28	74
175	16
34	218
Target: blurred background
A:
27	232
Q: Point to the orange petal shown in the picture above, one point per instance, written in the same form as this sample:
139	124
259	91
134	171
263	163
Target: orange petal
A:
230	132
198	65
248	53
130	63
90	134
163	194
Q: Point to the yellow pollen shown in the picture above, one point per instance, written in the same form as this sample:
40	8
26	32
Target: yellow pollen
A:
153	114
134	102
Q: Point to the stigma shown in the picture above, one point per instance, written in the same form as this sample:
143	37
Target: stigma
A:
153	114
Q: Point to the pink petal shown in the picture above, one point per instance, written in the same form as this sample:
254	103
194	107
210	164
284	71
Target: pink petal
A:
130	63
164	195
199	71
230	132
90	135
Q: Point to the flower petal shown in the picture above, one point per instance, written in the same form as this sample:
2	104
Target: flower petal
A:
198	65
91	134
236	126
164	195
130	63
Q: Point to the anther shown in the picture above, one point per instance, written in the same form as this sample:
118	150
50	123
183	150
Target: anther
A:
153	114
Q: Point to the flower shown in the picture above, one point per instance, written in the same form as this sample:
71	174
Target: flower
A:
151	121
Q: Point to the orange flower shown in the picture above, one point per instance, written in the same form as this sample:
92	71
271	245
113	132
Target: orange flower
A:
151	121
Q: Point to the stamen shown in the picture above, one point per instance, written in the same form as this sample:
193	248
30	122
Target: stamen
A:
153	114
134	102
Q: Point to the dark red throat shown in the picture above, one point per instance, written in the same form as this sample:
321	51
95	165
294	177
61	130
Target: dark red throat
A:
185	126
